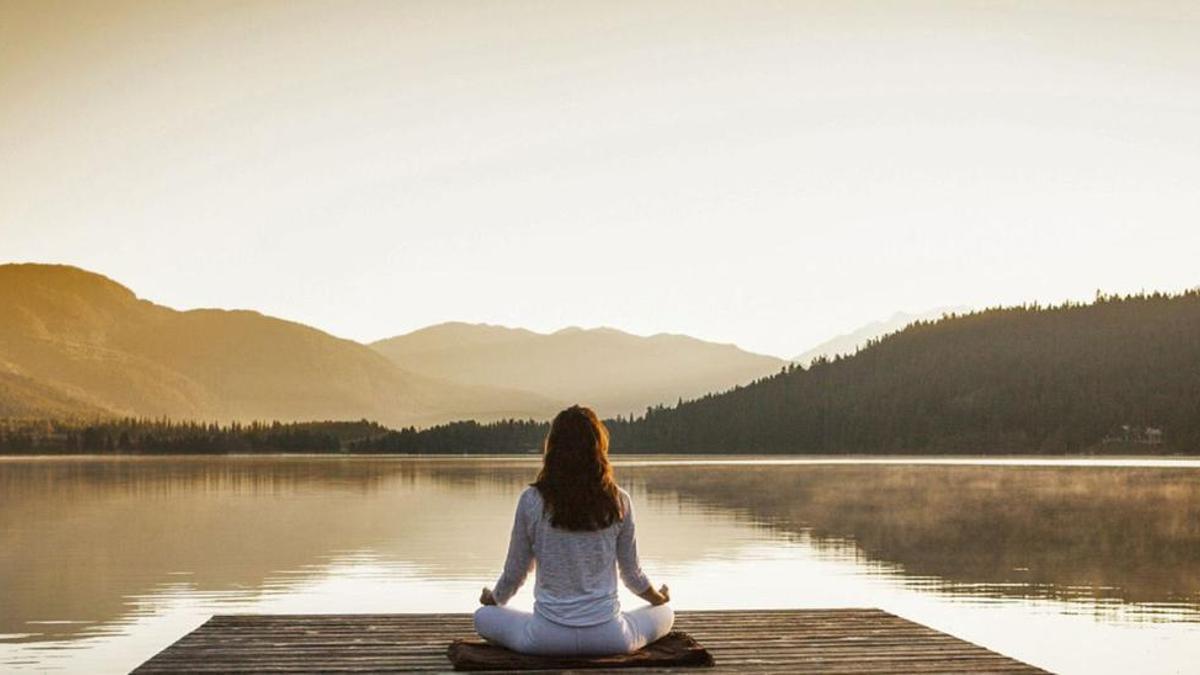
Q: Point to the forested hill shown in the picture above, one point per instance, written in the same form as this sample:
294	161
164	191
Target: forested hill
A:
1022	379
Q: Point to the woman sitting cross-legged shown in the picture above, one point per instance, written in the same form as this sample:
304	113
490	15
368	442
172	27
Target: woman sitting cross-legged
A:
576	526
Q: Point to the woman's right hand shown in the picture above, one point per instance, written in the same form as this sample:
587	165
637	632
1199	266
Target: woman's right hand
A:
657	597
486	597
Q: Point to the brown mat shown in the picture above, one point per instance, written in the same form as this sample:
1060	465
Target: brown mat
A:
676	649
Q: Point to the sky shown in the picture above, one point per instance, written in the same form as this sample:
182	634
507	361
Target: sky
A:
769	174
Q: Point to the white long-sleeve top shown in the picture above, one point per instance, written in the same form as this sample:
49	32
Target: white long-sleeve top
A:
576	582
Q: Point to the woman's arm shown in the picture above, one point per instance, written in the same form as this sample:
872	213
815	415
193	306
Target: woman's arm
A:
519	561
630	565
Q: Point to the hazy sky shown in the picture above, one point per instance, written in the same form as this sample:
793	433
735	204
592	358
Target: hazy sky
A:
769	174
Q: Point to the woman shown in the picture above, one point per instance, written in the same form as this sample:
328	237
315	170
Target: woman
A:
577	526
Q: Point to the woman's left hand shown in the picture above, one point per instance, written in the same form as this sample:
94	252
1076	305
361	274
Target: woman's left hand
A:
486	597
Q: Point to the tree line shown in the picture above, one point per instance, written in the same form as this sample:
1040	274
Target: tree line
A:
501	437
165	436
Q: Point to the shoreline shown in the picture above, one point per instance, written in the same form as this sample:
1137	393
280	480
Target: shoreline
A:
692	459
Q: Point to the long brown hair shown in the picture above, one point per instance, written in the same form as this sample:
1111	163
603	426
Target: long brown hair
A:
576	480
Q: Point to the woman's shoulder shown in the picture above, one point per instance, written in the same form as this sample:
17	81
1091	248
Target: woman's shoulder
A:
531	497
626	501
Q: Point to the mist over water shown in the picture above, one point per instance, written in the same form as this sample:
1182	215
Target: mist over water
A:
1075	567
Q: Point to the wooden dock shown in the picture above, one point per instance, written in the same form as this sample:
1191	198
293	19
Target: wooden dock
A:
791	641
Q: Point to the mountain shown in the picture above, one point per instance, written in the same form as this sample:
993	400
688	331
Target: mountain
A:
23	398
1118	375
844	345
615	372
76	343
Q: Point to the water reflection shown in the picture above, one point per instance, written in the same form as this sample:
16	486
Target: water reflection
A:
1128	534
102	561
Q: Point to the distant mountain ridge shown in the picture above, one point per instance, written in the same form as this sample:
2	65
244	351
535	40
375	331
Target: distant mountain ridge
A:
75	344
75	341
616	372
848	343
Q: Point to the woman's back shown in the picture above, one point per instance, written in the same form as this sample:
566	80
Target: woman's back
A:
576	570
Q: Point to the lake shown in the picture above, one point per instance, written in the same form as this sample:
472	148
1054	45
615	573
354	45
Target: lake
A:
1072	565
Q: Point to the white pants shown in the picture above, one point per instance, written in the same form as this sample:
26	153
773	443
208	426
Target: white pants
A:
529	633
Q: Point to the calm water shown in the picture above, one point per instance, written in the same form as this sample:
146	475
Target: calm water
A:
1073	566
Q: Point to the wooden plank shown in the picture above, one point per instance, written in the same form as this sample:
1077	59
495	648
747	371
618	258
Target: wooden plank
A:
851	641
